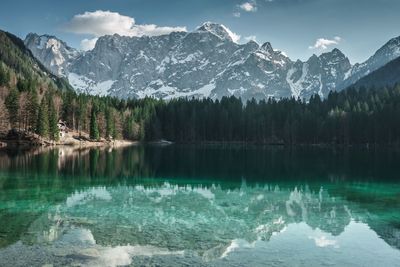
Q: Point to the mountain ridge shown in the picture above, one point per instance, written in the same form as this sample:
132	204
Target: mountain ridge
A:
388	75
206	62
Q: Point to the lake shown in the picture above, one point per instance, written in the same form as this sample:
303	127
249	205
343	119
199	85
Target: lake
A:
200	206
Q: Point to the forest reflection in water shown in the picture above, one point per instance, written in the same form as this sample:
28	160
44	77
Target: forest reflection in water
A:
232	163
208	205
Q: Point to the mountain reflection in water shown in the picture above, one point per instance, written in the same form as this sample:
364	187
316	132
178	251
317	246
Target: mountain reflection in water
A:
202	206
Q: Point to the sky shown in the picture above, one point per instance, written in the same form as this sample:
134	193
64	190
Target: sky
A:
299	28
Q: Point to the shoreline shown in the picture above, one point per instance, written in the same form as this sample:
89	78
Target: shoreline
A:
40	142
281	144
87	143
17	144
25	139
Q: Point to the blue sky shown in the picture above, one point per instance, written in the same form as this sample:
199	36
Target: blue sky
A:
297	27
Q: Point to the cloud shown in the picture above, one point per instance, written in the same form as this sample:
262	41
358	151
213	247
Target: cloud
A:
249	6
236	14
251	38
234	36
88	44
100	23
322	43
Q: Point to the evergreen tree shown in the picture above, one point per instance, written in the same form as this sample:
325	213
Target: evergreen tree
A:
69	108
94	129
110	123
81	111
12	104
127	127
42	126
23	85
32	108
4	75
54	133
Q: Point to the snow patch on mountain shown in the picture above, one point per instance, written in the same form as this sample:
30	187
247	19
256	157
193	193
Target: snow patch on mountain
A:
83	84
158	90
297	86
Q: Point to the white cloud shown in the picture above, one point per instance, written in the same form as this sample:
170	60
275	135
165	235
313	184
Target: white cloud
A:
88	44
100	23
249	6
235	37
236	14
322	43
251	38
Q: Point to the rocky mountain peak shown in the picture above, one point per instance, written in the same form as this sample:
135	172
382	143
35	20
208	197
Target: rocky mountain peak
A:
337	53
267	47
219	30
391	48
313	57
252	42
334	55
51	51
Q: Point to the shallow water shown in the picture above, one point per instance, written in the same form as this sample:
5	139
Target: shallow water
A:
200	206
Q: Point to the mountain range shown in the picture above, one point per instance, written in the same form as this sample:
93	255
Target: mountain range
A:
206	62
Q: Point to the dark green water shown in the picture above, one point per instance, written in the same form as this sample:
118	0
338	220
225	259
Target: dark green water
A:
200	206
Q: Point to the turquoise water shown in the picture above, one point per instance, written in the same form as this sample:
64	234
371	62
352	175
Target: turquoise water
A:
200	206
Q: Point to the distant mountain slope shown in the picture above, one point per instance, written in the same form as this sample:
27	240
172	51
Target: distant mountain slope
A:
387	75
56	55
385	54
206	62
20	60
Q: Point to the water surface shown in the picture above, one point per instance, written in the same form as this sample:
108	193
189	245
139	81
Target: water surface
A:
200	206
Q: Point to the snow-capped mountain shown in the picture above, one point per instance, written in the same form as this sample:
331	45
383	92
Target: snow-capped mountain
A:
387	53
318	74
207	62
55	54
388	75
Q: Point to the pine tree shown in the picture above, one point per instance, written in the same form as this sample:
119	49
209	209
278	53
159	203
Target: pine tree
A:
4	120
81	111
42	126
4	76
128	127
32	108
110	125
23	85
94	129
53	120
12	104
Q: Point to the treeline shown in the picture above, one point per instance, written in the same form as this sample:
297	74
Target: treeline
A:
352	116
